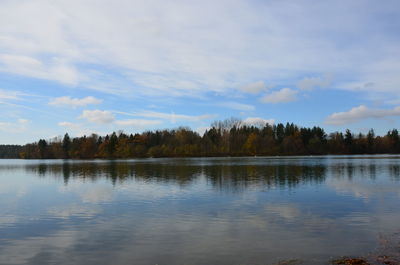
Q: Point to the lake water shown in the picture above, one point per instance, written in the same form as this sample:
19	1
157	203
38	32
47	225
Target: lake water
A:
261	210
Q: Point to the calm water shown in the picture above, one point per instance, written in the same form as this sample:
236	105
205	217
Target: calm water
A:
196	211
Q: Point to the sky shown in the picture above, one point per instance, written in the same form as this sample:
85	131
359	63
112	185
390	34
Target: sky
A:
96	66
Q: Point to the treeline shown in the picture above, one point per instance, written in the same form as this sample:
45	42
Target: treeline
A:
225	138
10	151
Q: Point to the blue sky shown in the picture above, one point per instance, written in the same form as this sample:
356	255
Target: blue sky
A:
101	66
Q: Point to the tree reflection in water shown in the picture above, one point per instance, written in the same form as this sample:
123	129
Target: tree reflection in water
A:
223	176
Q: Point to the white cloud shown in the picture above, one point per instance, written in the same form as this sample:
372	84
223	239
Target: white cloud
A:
309	83
379	81
69	125
172	117
282	96
5	94
360	113
237	106
19	126
138	123
107	118
54	69
254	88
180	48
23	121
257	121
98	116
74	102
78	129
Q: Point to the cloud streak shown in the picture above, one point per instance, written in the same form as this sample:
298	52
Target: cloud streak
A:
237	106
173	117
359	113
98	116
8	95
18	126
141	123
310	83
74	102
254	88
180	48
190	57
257	121
284	95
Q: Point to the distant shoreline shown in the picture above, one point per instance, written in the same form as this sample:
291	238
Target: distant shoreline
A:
193	157
224	138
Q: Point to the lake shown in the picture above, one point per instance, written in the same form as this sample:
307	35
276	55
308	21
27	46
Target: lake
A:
253	210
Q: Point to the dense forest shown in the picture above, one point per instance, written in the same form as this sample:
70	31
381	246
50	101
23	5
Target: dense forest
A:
10	151
230	137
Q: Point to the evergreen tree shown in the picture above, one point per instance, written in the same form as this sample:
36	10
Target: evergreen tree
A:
370	141
42	145
348	140
66	145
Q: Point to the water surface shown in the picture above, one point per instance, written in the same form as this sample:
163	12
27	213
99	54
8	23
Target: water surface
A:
259	210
